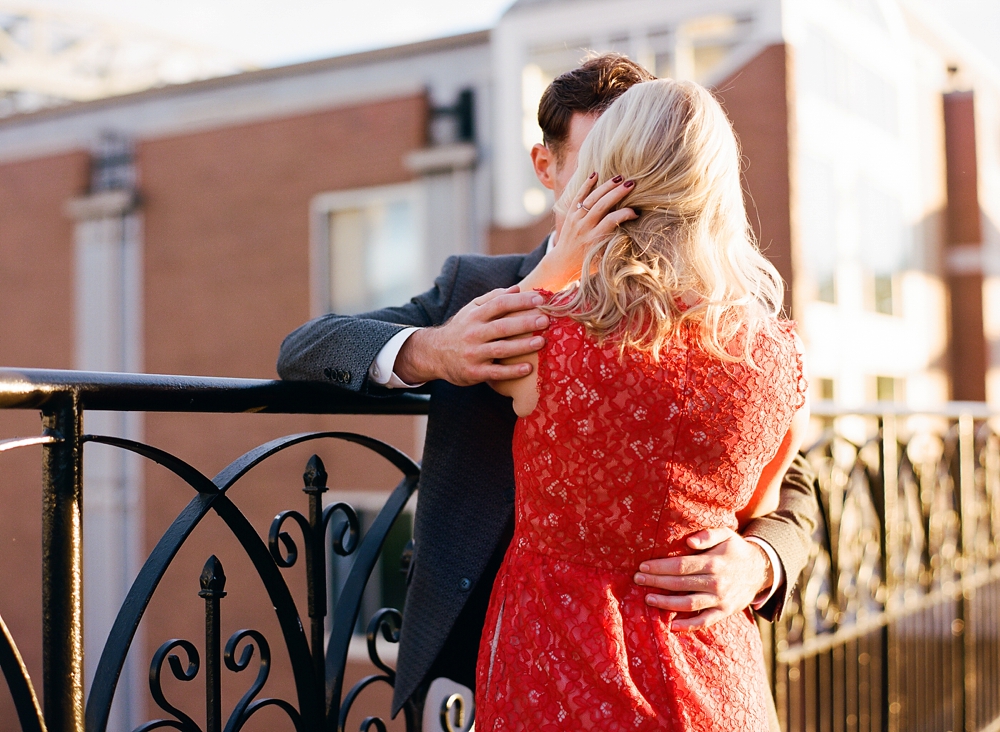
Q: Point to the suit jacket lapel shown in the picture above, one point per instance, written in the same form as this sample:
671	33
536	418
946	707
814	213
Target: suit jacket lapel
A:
531	260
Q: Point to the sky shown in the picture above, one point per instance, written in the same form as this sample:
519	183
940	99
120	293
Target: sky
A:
276	32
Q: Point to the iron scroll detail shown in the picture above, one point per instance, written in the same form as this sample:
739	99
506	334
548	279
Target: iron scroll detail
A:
312	666
181	721
64	397
213	582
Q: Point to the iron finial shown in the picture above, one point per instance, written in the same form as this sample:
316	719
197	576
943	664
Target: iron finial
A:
315	475
213	579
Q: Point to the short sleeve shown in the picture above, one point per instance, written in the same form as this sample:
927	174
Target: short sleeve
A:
799	355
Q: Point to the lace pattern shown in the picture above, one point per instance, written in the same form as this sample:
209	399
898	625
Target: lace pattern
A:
618	463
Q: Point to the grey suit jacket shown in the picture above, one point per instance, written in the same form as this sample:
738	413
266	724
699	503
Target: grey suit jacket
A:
464	513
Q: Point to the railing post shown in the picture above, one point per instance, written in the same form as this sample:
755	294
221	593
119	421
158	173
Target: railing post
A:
62	567
891	688
969	519
213	589
315	479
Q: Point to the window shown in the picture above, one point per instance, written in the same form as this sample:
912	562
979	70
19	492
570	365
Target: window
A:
704	44
888	389
698	48
884	246
847	82
661	49
368	249
112	166
545	63
881	294
387	584
818	219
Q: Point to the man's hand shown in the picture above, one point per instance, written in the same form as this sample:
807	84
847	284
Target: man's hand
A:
463	350
724	577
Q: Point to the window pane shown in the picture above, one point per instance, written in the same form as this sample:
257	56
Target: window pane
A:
882	234
818	217
883	294
826	68
387	584
376	254
393	263
890	389
393	577
826	290
664	64
347	257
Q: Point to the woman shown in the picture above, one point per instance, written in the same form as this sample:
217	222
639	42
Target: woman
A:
668	398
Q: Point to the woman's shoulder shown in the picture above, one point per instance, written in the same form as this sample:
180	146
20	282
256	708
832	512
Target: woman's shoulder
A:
783	351
561	321
780	332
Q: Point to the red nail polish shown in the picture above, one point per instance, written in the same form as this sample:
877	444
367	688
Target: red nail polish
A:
592	175
616	179
629	183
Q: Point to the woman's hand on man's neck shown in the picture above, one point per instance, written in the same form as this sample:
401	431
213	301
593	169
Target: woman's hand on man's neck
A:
590	219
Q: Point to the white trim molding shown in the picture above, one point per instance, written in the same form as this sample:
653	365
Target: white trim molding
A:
441	159
109	314
102	205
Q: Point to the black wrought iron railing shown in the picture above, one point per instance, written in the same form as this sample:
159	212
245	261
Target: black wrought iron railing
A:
894	626
318	662
895	623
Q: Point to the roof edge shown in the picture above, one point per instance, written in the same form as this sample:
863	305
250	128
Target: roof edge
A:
359	58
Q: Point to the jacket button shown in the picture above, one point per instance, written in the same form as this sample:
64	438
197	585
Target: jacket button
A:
464	584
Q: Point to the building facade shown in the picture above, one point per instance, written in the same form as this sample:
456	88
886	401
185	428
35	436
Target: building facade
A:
187	229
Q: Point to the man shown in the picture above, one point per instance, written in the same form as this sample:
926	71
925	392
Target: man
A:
450	338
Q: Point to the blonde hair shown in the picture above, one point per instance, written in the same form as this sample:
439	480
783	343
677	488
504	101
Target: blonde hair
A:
692	235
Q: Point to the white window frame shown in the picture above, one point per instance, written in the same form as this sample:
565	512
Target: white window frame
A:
324	204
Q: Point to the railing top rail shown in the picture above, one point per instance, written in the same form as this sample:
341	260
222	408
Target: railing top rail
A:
37	388
952	410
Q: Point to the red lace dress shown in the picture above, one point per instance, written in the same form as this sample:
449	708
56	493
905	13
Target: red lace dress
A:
619	462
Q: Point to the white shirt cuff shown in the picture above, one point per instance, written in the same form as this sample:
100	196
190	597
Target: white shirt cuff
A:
382	370
777	573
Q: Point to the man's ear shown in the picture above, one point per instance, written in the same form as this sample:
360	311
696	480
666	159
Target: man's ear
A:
544	162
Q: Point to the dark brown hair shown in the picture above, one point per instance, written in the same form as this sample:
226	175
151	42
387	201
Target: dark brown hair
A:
590	88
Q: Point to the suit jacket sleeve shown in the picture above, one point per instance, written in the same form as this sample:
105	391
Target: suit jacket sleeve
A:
789	530
341	348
